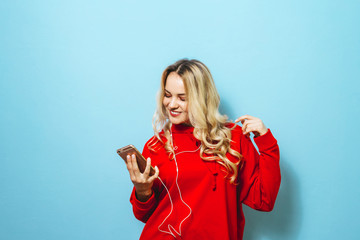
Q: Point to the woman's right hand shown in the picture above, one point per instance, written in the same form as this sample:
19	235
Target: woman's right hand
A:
142	181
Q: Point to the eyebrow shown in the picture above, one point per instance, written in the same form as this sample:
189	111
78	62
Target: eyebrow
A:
181	94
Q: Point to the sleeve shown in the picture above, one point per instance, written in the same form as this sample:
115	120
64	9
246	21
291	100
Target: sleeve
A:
260	176
143	210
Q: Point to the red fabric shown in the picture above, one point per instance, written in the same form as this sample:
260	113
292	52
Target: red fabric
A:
216	205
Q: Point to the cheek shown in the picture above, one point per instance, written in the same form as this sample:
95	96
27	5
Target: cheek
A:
165	102
185	107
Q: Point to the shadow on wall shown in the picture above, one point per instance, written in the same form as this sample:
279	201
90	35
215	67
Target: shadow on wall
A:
284	222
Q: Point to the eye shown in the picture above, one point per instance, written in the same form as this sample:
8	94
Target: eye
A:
183	99
167	95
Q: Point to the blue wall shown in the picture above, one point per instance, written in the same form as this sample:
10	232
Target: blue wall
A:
78	80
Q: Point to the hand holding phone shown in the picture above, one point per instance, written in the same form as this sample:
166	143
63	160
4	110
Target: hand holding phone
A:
136	165
140	159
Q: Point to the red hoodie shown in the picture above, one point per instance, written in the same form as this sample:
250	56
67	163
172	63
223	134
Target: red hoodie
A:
198	201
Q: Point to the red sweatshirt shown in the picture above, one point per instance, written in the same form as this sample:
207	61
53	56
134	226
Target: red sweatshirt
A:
198	202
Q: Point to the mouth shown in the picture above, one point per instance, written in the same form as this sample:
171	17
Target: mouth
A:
174	114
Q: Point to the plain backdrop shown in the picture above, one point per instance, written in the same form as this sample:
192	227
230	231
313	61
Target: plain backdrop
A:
78	80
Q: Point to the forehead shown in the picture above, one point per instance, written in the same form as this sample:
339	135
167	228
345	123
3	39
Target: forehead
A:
174	83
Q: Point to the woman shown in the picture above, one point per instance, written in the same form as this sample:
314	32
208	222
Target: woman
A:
205	166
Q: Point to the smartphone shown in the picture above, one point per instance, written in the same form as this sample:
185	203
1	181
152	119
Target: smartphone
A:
141	161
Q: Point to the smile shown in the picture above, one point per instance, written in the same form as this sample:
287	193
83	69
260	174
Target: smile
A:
174	114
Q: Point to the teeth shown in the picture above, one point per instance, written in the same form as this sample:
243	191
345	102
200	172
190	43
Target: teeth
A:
174	112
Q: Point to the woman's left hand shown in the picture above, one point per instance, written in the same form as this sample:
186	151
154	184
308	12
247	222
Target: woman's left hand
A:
252	124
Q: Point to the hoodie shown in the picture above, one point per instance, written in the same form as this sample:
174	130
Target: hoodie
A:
193	198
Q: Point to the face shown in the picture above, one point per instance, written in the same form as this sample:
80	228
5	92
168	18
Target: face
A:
175	100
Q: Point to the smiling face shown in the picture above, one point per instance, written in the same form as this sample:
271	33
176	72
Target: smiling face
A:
175	100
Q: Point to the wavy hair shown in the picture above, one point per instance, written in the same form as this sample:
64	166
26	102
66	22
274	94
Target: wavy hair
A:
203	104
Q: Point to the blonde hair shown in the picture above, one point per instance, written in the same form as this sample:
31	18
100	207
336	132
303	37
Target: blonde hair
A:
203	104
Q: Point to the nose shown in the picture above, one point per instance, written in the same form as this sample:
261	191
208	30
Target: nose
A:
173	103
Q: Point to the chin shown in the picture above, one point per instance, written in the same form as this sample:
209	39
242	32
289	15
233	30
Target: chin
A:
176	121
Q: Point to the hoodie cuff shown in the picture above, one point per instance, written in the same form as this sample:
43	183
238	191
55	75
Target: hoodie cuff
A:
265	141
142	205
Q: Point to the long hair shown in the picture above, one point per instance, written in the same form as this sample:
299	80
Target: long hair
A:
203	109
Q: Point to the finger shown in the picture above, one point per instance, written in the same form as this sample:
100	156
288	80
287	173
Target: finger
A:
245	125
156	175
134	165
255	128
247	131
241	118
255	124
130	169
244	117
250	126
128	163
247	128
244	120
248	123
157	172
147	168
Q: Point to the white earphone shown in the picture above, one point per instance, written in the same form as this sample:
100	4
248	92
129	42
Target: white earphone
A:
170	227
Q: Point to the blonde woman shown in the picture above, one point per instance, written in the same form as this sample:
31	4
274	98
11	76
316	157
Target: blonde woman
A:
205	166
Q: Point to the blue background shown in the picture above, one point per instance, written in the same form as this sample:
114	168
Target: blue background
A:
78	80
